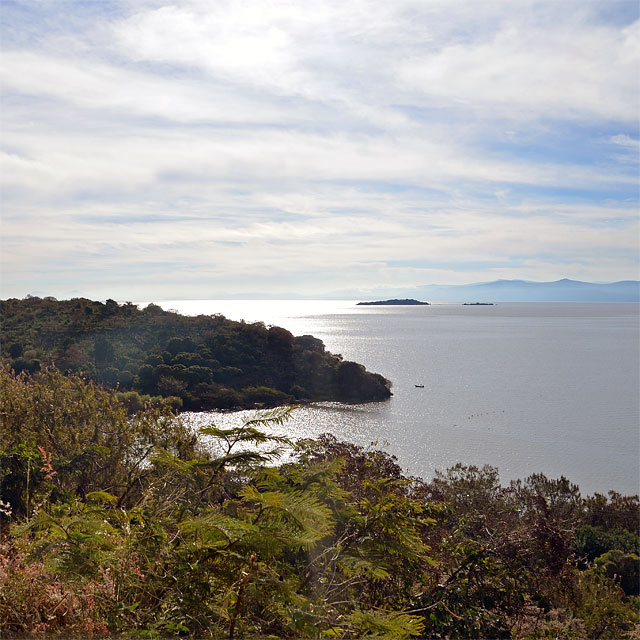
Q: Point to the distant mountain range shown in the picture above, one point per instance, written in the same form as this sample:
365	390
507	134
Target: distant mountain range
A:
525	291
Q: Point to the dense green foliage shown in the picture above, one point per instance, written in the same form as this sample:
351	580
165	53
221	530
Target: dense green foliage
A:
118	524
202	362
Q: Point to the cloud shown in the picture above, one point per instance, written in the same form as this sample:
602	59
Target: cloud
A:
88	84
537	72
626	141
528	58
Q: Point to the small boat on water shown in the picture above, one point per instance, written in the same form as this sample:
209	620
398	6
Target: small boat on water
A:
419	386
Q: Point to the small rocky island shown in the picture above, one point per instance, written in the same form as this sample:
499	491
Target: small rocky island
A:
477	304
405	302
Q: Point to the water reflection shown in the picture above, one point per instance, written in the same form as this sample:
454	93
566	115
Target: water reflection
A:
551	388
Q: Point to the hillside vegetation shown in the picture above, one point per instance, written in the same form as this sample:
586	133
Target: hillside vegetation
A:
130	526
203	362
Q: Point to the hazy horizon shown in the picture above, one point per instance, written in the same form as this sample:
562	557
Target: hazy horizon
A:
503	290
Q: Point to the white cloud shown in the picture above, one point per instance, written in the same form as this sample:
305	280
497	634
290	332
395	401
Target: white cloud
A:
88	84
182	163
515	57
552	72
626	141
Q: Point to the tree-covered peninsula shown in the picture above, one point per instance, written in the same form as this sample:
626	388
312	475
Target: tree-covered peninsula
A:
202	362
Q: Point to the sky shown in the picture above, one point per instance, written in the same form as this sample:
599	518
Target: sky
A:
256	149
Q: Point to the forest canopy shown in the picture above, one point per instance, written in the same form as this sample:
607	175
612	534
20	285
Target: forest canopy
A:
202	362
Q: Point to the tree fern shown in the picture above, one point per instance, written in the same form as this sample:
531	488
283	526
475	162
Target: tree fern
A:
216	530
385	624
311	518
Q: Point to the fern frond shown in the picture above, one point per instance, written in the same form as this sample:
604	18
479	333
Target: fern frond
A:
356	564
164	457
244	433
216	529
243	458
271	417
386	624
307	513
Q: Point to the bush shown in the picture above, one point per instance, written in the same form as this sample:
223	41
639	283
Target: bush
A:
298	392
622	567
265	395
129	526
591	542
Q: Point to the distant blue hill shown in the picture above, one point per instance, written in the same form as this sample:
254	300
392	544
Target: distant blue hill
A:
525	291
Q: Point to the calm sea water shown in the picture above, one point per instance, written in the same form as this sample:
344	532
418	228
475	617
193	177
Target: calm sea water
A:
535	387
